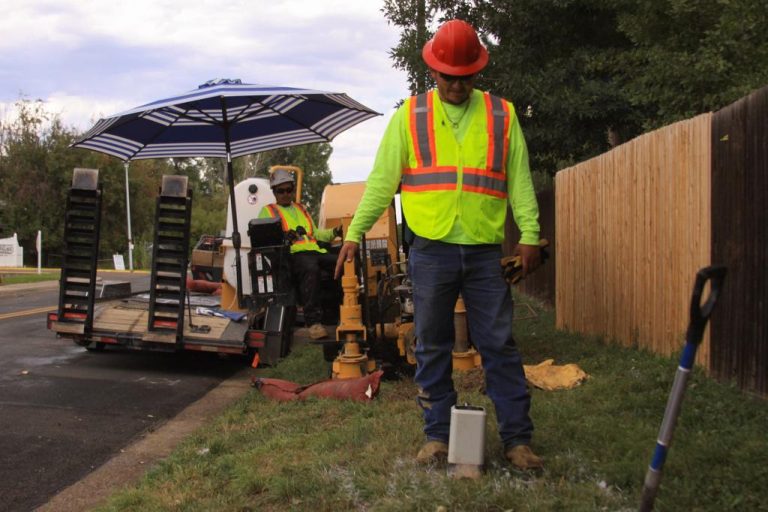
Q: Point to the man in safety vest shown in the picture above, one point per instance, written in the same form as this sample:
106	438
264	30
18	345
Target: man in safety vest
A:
458	155
305	252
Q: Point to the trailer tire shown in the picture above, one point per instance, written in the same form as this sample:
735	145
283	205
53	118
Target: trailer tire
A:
96	346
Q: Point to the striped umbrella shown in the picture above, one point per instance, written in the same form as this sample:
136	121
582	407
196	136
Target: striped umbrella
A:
227	119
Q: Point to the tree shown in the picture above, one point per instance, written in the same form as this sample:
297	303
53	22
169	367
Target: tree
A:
311	158
36	165
33	184
412	16
588	74
691	56
211	194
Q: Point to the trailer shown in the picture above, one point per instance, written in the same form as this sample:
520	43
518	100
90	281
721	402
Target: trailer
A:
171	317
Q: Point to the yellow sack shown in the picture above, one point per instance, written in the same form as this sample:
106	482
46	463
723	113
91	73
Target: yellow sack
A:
549	377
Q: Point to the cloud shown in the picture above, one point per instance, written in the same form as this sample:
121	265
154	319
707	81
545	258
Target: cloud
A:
89	58
357	148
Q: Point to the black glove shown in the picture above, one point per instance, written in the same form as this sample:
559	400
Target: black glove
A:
338	232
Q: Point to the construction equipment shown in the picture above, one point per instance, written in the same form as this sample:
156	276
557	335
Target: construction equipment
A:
352	362
373	304
77	285
377	312
270	304
167	292
359	312
700	314
164	320
207	263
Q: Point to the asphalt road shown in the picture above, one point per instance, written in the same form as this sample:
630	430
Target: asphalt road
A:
64	411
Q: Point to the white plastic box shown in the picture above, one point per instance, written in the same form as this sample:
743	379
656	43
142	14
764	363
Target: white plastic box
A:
466	447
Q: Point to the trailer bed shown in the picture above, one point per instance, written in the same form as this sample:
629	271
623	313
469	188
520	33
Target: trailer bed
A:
125	322
132	319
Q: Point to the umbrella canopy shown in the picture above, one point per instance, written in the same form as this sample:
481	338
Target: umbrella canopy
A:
225	118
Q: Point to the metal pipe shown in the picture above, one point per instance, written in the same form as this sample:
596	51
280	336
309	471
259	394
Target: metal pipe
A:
364	274
232	201
128	215
461	336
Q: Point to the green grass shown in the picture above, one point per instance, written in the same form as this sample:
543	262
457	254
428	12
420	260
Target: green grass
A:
20	278
596	439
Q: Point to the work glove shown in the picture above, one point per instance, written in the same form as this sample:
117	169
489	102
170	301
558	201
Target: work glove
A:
338	232
512	266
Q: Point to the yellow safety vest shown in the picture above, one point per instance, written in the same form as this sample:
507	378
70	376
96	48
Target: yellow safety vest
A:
304	243
446	182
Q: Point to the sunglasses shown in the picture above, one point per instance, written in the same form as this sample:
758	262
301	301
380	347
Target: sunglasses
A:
454	78
284	190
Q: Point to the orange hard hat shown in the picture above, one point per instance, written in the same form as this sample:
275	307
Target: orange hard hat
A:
455	49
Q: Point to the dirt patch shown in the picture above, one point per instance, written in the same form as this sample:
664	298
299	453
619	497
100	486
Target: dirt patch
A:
469	380
400	390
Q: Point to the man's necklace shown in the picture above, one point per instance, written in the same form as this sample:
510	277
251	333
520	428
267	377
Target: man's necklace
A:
455	124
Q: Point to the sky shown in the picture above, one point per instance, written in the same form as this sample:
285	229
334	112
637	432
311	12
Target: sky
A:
88	59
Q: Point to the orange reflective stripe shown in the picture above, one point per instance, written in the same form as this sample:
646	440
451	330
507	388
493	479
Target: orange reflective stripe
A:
429	178
431	126
505	138
489	120
310	231
414	137
428	188
497	115
422	131
485	182
424	170
274	211
412	129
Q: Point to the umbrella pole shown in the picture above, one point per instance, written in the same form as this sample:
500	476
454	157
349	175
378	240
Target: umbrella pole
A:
231	181
235	230
128	215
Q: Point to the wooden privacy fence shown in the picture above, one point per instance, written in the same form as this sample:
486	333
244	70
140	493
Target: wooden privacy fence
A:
739	345
630	228
633	228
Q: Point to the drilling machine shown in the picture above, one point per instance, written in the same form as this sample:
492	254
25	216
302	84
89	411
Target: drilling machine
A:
376	316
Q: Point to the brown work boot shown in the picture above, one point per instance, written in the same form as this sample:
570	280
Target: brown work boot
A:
432	451
317	331
522	457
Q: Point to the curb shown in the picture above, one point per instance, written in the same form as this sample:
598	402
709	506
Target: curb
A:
134	460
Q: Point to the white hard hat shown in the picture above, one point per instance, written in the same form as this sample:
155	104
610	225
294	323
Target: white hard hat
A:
280	176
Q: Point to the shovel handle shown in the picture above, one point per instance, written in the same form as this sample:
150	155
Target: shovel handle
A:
699	316
700	313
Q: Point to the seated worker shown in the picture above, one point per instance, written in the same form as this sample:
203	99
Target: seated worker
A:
306	254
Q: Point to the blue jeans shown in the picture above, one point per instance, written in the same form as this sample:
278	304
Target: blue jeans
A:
439	272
